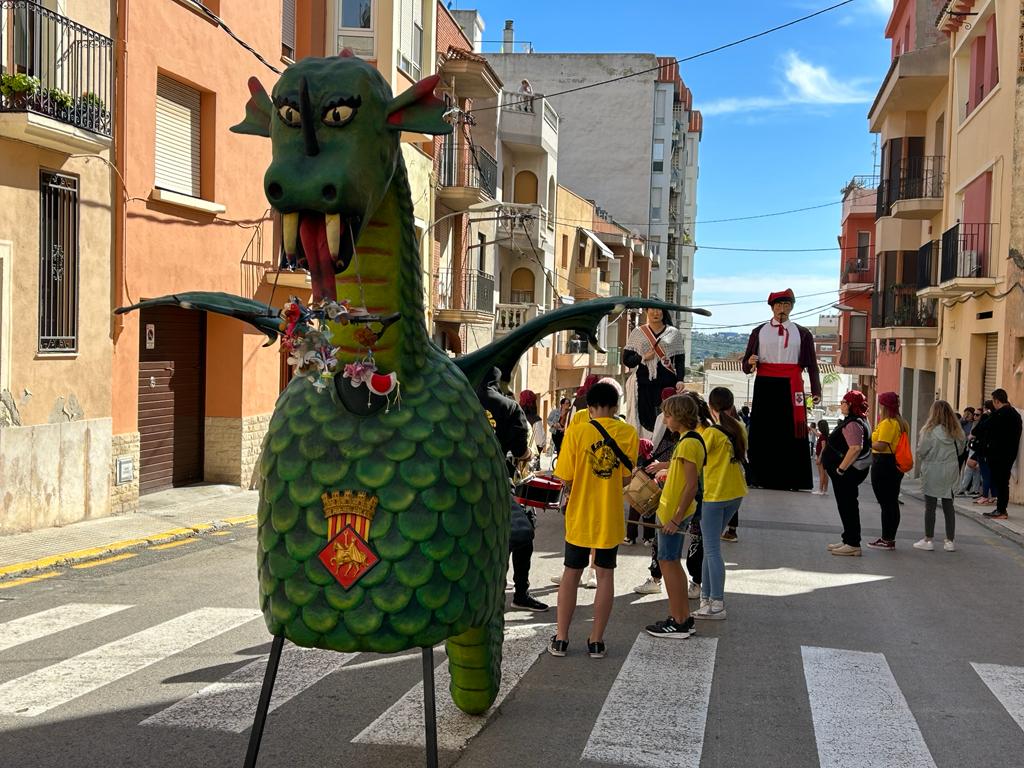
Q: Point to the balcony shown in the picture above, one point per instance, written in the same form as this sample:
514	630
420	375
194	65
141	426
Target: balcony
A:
915	192
967	257
467	175
579	355
508	317
589	285
615	288
56	79
898	312
471	72
857	357
913	82
528	123
858	271
465	296
527	232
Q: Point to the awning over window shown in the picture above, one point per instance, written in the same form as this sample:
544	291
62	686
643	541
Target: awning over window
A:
603	249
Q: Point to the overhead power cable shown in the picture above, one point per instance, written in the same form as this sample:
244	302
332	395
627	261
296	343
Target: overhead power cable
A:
692	57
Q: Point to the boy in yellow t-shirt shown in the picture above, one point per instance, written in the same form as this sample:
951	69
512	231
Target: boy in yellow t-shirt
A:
594	475
678	503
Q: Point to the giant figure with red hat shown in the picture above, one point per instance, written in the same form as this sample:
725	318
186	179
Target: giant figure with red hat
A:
779	352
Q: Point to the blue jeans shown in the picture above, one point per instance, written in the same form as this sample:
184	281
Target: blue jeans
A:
714	517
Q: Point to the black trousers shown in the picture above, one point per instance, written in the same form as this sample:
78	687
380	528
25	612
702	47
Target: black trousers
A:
521	568
695	556
1000	473
885	481
633	528
846	488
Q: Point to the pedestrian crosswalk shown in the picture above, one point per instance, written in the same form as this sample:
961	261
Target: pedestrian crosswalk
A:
655	712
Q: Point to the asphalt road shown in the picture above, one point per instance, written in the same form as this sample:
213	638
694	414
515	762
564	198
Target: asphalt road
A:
894	659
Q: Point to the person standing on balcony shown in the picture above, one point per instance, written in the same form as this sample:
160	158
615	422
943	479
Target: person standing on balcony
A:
779	352
657	351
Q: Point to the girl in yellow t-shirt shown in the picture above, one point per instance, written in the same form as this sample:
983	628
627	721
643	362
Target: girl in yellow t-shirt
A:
886	477
678	504
724	489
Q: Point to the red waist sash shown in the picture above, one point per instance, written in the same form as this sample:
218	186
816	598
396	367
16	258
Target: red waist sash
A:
795	374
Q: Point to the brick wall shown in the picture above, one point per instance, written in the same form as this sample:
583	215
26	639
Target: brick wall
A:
232	448
124	498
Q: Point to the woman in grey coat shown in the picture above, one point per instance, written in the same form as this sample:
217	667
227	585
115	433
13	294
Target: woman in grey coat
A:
939	448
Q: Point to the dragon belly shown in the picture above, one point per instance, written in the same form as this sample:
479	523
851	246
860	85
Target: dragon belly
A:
439	534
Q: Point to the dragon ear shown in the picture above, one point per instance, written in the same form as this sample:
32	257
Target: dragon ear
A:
418	110
258	110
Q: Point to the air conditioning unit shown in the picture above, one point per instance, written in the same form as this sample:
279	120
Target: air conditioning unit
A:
970	264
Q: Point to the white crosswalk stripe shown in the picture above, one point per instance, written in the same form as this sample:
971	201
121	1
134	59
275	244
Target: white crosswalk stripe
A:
230	704
402	723
1007	685
49	622
52	686
656	672
861	719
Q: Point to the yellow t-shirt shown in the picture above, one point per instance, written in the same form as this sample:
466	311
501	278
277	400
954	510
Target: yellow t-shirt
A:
594	516
687	449
582	416
887	431
723	477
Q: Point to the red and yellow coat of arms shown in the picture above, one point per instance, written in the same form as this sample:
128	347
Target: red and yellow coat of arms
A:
347	555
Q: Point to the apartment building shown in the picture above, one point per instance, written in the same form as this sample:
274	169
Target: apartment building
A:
56	229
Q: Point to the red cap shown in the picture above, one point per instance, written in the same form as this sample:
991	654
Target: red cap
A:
667	392
857	402
890	400
527	398
786	295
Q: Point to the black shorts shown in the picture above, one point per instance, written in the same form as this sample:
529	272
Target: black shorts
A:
578	558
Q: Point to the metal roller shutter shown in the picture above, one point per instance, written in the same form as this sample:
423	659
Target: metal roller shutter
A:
288	25
177	137
991	365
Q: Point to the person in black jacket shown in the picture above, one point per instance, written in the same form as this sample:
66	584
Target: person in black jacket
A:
1001	438
512	429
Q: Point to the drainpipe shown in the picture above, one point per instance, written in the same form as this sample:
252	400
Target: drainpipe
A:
508	44
120	153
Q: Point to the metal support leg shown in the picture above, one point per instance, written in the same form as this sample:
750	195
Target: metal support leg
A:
429	707
256	736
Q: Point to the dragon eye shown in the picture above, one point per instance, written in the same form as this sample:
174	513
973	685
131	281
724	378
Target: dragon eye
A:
338	115
289	116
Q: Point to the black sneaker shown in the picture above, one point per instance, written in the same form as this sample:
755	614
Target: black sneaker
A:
558	647
671	629
529	602
595	650
995	514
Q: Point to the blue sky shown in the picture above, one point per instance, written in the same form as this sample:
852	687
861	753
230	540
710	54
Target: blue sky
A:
785	122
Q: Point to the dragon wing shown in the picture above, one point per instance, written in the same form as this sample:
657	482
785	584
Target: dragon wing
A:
262	317
583	318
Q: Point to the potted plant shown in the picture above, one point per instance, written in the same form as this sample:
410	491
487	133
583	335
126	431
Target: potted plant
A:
91	111
59	101
18	88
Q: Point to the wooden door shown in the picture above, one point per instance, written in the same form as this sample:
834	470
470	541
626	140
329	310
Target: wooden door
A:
172	353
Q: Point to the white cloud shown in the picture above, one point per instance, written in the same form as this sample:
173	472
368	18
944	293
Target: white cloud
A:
883	7
806	83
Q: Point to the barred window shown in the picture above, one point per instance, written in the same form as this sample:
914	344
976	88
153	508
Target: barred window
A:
58	263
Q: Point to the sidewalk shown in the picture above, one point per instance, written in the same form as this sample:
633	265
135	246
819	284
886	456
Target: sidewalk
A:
1012	528
162	517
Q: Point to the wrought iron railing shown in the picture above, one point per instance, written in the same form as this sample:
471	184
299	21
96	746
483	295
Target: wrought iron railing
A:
857	354
967	251
54	66
860	269
462	166
898	306
928	256
916	177
58	263
466	289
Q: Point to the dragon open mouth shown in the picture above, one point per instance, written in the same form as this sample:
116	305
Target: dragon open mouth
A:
321	243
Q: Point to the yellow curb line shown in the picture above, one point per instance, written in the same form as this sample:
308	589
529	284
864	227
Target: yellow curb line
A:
94	553
27	580
104	561
173	544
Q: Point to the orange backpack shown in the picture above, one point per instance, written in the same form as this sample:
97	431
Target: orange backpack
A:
904	457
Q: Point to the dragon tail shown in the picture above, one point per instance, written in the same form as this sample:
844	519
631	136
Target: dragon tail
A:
474	660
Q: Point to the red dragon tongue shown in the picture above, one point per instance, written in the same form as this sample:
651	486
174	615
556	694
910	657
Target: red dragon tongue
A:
313	233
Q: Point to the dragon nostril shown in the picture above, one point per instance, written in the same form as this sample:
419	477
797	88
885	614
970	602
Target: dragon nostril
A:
330	192
274	191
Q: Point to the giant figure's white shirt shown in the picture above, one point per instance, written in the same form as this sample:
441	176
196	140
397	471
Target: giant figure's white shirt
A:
772	347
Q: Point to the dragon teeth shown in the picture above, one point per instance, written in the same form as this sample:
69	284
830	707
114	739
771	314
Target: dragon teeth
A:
332	222
290	225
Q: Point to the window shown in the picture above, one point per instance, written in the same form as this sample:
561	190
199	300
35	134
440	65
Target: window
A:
659	107
863	249
982	66
481	262
177	137
288	29
565	251
826	360
658	164
670	292
656	204
825	348
691	150
410	40
58	263
355	27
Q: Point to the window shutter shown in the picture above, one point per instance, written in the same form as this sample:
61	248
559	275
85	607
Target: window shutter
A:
405	18
288	24
177	137
991	374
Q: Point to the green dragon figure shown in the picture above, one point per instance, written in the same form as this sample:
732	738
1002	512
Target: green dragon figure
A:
382	526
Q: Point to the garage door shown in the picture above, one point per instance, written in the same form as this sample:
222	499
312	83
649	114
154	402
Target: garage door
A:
172	354
991	365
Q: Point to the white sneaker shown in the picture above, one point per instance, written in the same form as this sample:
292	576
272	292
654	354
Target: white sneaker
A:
650	587
836	545
693	591
949	546
714	610
925	544
590	580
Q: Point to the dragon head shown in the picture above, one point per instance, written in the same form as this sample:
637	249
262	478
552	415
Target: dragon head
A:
335	129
